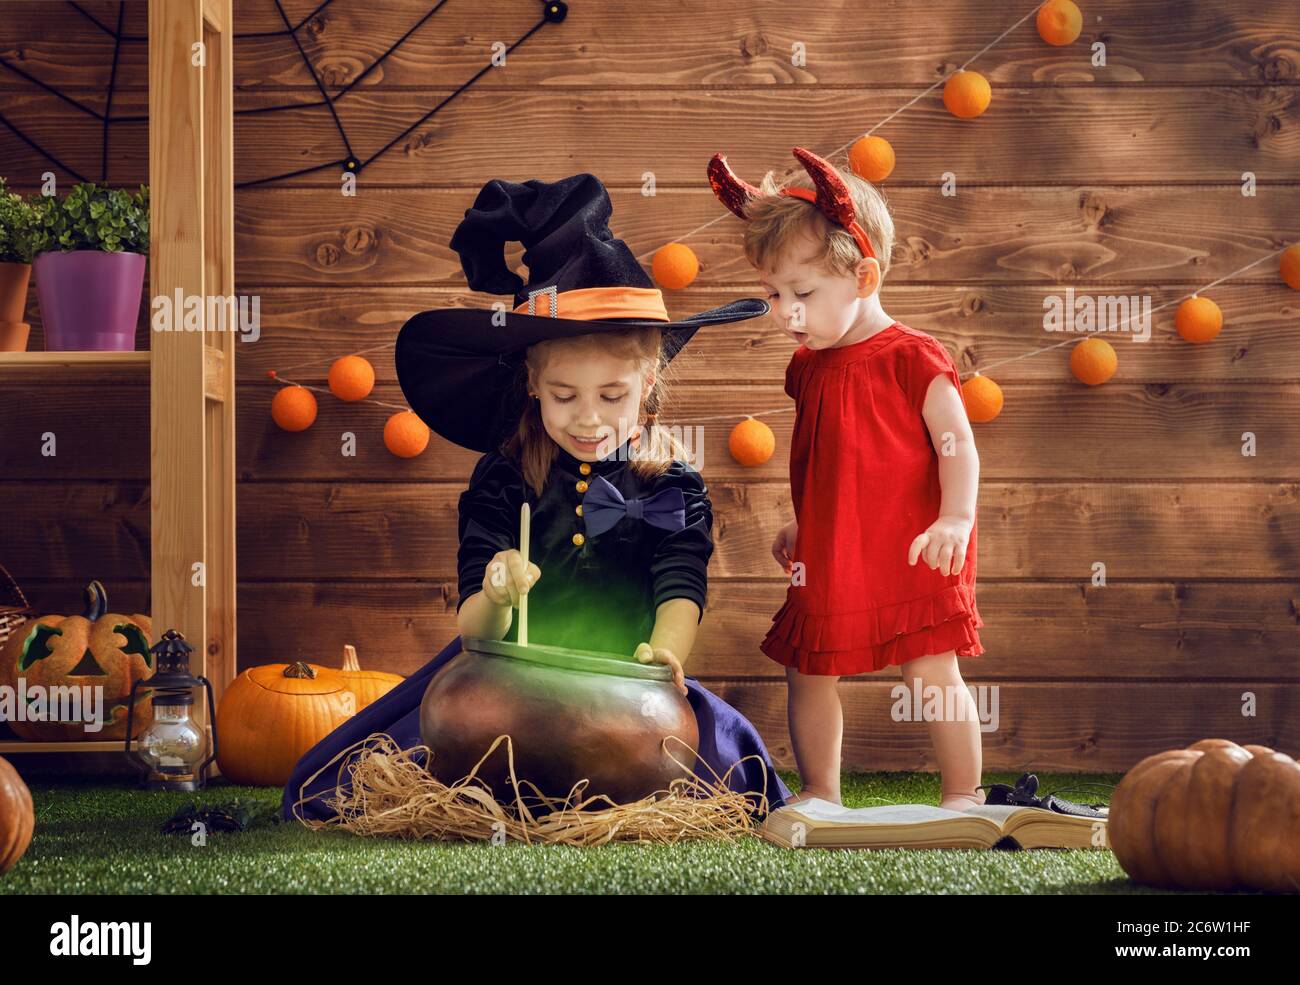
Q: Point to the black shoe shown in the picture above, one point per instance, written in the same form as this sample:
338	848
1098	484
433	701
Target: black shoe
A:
1024	794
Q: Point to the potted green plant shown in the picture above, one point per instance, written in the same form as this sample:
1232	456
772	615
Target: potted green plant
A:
89	252
15	268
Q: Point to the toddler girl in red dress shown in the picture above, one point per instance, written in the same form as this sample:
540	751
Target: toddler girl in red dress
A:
883	476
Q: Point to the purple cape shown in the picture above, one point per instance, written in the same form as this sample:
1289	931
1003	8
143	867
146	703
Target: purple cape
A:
726	737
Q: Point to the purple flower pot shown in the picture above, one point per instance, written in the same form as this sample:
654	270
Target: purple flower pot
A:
89	299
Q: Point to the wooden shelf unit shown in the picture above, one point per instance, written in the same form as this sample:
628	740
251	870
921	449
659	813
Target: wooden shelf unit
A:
191	374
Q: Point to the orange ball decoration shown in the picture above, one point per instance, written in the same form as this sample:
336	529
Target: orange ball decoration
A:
751	443
674	266
1290	267
983	399
967	94
294	408
1198	320
1059	22
872	158
1093	361
405	435
351	378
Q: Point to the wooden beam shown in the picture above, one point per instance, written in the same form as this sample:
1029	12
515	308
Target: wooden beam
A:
177	382
9	747
219	275
215	384
216	15
74	360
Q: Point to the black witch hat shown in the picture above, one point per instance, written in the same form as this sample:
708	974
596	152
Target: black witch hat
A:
460	368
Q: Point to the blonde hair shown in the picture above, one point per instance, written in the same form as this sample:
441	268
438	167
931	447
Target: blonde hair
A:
777	221
535	451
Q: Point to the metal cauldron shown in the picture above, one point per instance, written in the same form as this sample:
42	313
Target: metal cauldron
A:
570	714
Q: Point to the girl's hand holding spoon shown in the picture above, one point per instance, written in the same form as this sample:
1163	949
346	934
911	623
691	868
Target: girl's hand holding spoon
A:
506	578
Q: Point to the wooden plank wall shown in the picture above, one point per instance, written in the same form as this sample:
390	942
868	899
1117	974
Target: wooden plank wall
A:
1123	179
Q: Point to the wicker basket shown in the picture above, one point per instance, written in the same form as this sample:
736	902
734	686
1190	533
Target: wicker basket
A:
14	608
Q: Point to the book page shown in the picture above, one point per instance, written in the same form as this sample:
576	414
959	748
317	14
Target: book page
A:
995	812
816	809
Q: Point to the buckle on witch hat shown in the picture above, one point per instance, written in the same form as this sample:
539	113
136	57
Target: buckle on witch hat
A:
551	292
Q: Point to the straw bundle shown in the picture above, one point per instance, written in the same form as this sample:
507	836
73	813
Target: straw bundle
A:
389	792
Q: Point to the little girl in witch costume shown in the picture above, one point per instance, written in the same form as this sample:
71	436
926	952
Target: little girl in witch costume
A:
555	393
883	476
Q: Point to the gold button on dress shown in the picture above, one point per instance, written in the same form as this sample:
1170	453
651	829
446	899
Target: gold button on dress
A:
582	485
578	509
585	468
579	539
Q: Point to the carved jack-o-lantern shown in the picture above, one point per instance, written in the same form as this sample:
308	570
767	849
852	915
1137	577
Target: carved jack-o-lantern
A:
97	649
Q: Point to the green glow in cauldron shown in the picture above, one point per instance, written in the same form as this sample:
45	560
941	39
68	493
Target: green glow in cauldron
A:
570	715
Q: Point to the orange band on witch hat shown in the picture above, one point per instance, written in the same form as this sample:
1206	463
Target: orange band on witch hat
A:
596	304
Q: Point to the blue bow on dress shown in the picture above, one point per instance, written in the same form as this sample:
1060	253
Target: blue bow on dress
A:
603	506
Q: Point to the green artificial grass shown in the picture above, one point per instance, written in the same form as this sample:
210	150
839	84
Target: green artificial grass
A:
94	836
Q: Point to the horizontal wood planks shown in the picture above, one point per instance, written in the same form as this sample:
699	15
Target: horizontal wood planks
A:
1123	180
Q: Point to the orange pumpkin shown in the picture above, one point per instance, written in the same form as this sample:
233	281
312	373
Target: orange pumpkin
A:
17	817
368	685
271	715
1215	815
95	649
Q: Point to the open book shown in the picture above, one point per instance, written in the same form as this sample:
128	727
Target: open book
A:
816	823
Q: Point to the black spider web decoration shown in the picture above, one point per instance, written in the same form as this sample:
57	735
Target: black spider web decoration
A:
553	12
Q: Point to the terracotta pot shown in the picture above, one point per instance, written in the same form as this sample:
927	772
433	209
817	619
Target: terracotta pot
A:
90	299
13	336
13	291
570	714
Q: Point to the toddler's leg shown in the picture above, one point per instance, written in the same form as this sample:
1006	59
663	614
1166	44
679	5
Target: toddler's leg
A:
817	730
956	742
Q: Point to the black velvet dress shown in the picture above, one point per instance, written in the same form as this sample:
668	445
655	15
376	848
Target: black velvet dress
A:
596	592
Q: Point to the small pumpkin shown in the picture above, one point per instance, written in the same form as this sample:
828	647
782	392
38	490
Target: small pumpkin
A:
95	649
1213	816
270	715
17	817
368	685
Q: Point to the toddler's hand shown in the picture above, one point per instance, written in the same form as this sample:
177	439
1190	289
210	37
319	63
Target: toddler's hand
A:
505	578
943	545
645	653
783	546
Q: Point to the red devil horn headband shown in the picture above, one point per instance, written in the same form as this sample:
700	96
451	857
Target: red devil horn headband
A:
832	196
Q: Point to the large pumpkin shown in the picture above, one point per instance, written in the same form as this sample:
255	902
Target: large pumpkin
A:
16	817
368	685
95	649
1215	815
269	716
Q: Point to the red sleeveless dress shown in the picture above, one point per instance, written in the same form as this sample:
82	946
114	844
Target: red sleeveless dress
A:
864	477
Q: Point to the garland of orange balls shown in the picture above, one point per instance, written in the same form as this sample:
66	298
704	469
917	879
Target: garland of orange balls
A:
351	378
966	95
